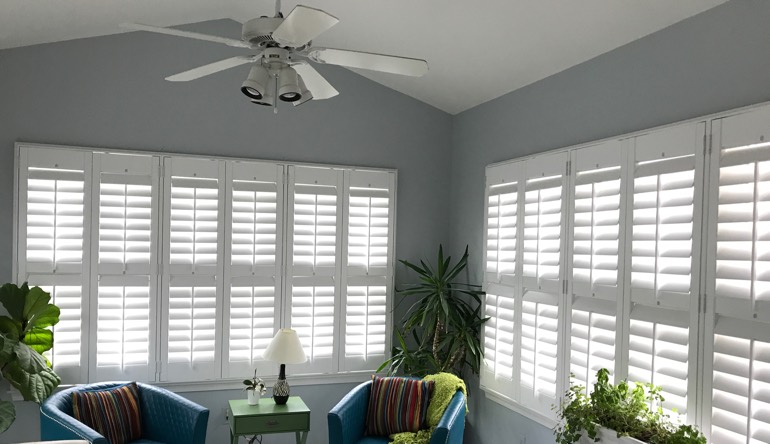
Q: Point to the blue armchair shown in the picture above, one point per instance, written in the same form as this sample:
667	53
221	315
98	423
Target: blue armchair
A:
347	420
166	417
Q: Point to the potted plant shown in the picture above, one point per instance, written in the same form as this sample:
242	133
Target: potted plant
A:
24	336
255	388
619	414
444	322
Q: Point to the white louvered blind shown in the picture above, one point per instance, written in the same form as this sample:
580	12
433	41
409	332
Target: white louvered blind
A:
253	277
369	272
542	280
739	315
595	251
665	243
53	202
125	270
192	271
499	366
313	275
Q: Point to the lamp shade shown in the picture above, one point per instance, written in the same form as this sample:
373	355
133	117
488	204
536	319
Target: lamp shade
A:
285	348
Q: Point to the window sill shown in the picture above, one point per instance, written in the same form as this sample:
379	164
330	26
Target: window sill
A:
510	404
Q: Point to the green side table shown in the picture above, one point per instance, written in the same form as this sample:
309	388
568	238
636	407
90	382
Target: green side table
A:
267	417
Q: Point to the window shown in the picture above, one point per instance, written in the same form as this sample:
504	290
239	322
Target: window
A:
181	269
663	275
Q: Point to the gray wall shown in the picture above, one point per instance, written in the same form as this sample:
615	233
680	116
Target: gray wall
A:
109	92
712	62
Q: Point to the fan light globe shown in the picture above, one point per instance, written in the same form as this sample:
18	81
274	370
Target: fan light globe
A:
256	84
285	348
306	94
288	85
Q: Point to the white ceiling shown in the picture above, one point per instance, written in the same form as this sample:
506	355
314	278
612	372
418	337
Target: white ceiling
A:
476	50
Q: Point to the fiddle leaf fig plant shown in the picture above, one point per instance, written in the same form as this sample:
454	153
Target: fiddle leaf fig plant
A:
444	321
24	336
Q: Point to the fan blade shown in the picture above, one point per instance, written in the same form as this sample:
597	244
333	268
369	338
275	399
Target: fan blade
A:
314	82
211	68
188	34
366	60
302	25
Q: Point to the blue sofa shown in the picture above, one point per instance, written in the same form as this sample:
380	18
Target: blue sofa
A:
347	420
166	417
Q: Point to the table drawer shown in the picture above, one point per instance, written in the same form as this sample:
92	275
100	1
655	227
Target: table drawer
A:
272	423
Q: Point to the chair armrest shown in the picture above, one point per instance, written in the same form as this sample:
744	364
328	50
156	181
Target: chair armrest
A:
56	425
347	419
170	418
452	425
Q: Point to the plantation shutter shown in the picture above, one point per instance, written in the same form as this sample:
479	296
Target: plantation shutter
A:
194	191
595	252
313	275
738	316
52	206
253	275
542	280
502	252
665	241
368	275
124	274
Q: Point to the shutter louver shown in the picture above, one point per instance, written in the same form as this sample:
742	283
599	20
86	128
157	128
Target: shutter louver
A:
502	220
592	345
539	322
313	276
368	277
53	185
193	280
253	278
542	233
126	266
499	340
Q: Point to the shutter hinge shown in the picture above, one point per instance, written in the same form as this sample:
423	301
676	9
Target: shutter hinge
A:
569	167
711	142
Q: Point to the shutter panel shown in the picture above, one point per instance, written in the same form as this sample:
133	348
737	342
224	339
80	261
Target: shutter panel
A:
542	281
253	274
499	365
313	275
125	270
739	313
52	206
502	219
665	241
192	276
741	383
595	252
368	276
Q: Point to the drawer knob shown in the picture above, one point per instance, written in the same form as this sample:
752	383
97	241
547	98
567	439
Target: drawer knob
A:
272	422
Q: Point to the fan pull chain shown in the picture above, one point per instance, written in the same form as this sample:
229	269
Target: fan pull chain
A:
275	99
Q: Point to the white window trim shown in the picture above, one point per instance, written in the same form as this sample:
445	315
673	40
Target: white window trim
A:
340	376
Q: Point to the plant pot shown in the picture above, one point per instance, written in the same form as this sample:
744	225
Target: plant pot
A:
608	436
252	396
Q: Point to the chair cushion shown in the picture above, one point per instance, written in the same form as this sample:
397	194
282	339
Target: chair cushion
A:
113	413
397	405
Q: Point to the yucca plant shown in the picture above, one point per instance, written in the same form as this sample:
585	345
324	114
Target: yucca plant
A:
444	322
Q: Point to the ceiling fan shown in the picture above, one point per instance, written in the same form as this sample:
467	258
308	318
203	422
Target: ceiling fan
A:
283	48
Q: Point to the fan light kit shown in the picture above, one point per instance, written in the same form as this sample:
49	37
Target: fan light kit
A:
281	68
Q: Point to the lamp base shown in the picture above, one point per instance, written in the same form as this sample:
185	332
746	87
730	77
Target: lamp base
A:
281	388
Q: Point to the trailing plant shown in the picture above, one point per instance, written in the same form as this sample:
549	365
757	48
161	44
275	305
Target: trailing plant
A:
255	384
443	325
624	408
24	336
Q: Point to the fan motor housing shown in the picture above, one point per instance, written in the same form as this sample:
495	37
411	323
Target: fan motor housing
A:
259	31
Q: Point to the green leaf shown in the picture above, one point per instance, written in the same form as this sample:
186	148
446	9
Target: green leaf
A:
28	360
39	339
7	415
9	327
48	316
13	299
35	387
7	347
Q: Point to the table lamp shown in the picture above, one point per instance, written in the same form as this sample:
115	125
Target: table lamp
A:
285	348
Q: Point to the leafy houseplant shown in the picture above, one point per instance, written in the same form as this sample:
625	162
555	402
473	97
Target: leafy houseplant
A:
625	409
445	322
24	336
255	384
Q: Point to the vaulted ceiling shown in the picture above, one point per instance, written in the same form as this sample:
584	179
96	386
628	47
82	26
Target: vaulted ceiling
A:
476	50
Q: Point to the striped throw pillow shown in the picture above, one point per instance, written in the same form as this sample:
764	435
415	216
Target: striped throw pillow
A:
397	405
113	413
